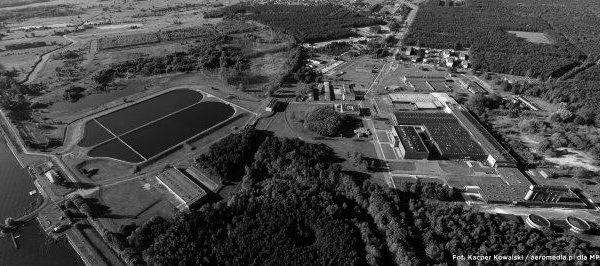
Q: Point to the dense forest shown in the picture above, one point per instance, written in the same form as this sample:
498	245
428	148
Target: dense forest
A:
590	74
296	206
483	26
308	23
578	20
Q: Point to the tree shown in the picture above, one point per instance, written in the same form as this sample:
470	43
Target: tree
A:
86	210
303	208
104	76
359	160
583	173
324	120
73	94
477	103
545	146
144	236
10	222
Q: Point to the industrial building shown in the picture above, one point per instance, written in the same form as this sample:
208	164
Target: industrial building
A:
538	222
494	193
341	92
532	195
451	140
578	225
455	134
326	91
409	143
201	178
498	155
416	101
272	105
184	190
53	176
558	196
347	108
472	87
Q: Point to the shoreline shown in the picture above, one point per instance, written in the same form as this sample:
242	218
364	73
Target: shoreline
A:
86	258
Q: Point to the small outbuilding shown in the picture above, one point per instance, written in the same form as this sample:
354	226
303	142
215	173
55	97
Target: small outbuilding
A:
272	105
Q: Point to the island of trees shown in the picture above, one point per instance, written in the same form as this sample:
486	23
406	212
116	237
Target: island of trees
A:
324	121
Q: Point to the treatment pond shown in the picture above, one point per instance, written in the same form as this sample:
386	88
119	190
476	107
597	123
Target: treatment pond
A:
144	130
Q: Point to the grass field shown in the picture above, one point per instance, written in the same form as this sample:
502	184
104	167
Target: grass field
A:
23	60
106	169
133	201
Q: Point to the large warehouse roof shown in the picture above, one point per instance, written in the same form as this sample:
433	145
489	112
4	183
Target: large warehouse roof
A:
487	141
410	139
452	140
184	189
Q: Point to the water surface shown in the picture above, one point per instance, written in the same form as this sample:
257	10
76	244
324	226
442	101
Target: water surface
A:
34	246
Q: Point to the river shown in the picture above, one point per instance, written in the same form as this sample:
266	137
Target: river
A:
35	248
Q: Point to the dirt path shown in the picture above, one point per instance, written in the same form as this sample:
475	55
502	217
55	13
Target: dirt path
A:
39	65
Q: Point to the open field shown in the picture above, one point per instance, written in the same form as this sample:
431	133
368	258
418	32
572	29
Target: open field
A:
134	201
23	60
574	158
534	37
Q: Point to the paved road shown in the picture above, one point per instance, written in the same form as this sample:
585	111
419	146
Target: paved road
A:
369	122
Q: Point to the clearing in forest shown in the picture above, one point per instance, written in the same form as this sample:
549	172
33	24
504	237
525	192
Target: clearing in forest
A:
533	37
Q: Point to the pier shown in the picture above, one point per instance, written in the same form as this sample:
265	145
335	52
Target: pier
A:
14	240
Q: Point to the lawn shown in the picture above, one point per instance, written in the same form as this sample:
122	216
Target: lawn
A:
132	201
104	170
